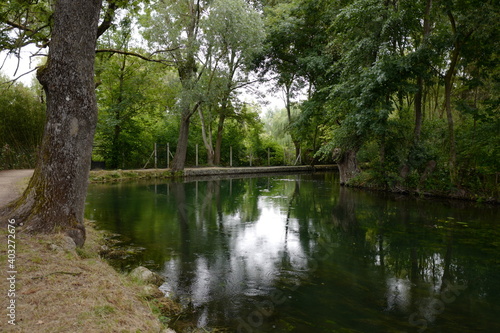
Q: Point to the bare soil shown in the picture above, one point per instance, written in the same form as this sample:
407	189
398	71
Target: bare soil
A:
12	183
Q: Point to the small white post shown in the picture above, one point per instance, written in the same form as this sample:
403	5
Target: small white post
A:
168	155
156	158
196	154
231	156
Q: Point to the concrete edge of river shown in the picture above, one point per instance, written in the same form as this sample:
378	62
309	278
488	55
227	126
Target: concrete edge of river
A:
104	176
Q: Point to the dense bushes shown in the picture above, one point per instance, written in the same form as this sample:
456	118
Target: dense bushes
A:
22	115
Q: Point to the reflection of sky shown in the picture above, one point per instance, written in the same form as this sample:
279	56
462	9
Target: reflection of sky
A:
398	294
224	264
250	266
399	290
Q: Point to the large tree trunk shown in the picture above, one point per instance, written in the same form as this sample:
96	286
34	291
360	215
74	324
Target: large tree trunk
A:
347	164
218	140
55	197
418	110
182	144
448	86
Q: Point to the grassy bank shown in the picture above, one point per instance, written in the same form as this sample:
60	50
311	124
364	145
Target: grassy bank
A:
104	176
107	176
62	289
437	185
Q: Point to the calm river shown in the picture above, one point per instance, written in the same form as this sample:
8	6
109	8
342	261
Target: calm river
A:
298	253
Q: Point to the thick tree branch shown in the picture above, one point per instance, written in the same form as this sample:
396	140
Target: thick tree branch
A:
108	18
19	26
134	54
26	37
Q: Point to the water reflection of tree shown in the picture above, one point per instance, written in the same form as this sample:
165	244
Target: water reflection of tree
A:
393	250
400	239
421	250
344	212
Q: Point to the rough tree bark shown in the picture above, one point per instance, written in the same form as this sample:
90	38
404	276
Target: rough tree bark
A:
218	140
347	164
182	144
187	74
55	197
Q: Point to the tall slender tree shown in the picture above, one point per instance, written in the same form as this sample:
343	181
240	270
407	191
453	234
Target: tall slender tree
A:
234	34
173	29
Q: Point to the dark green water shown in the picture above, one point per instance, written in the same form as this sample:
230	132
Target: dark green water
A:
297	253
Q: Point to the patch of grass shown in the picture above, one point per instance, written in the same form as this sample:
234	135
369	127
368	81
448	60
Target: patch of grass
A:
130	174
104	176
74	290
84	253
103	310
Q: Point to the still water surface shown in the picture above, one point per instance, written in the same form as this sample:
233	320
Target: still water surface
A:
298	253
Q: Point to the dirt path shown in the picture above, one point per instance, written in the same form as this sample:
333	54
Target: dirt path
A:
12	182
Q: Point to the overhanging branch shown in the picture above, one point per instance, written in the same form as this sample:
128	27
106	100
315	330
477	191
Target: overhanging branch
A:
19	26
134	54
20	76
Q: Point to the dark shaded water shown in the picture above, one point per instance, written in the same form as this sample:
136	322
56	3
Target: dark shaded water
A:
297	253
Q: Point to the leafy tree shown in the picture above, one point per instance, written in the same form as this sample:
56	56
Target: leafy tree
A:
131	97
210	44
23	114
297	32
23	23
234	34
469	25
173	28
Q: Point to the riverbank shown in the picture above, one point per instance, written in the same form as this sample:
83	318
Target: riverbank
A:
363	181
431	189
104	176
59	288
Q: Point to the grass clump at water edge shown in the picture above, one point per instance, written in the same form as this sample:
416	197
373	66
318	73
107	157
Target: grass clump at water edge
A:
63	289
